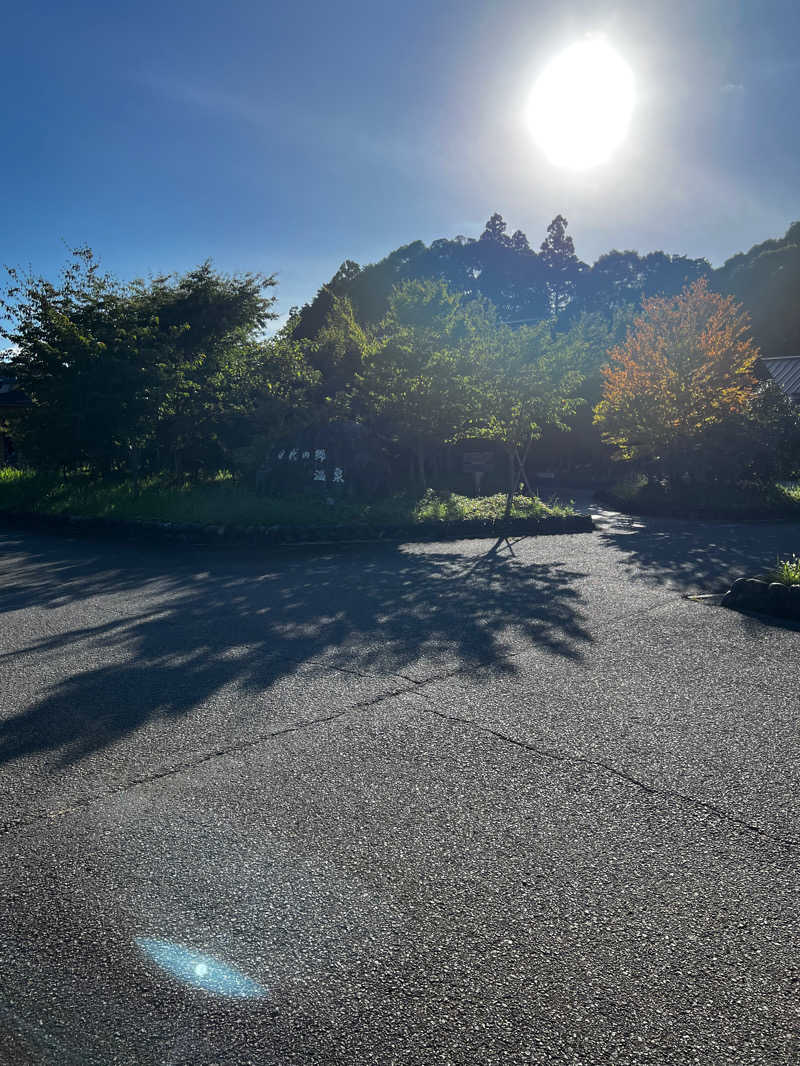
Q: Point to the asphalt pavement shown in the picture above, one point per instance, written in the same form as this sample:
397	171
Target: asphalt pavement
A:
461	803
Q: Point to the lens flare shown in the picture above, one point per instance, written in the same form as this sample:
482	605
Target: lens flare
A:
581	105
200	971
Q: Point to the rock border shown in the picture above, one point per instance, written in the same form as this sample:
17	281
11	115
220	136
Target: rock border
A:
764	597
197	535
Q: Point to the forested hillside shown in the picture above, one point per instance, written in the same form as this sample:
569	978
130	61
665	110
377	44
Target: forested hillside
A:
525	285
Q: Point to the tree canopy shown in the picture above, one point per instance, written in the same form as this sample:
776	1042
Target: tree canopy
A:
444	368
117	372
685	366
766	280
495	267
524	286
463	338
419	379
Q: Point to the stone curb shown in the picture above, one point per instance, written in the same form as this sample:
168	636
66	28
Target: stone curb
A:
196	535
764	597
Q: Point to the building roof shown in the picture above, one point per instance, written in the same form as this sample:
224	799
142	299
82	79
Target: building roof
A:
785	372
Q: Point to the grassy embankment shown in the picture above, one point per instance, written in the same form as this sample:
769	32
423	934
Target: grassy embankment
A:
223	499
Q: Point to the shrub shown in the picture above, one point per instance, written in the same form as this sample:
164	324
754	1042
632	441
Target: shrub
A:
787	571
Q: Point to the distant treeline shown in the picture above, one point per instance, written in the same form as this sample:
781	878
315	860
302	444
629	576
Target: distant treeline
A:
527	286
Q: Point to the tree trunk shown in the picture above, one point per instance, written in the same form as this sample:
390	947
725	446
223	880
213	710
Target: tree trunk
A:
421	465
134	466
512	482
676	467
516	471
521	465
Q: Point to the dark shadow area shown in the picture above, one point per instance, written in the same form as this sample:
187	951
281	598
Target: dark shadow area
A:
190	625
698	556
754	623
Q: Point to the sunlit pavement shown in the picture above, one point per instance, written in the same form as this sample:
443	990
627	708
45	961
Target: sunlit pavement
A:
452	803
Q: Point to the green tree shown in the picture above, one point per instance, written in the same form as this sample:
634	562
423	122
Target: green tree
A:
505	271
561	264
418	383
526	379
495	230
766	280
283	400
590	337
75	356
619	280
207	358
760	442
121	373
337	350
496	267
444	369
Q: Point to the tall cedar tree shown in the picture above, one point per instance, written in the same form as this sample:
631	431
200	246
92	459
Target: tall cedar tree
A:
561	263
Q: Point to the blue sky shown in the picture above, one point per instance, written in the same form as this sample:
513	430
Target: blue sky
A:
286	137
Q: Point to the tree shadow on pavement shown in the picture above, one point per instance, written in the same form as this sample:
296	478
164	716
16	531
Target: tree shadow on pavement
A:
136	636
697	556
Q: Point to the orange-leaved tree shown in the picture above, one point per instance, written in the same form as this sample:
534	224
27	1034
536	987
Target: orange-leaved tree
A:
684	368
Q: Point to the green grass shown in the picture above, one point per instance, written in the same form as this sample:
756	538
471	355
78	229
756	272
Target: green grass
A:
447	506
786	571
791	490
223	500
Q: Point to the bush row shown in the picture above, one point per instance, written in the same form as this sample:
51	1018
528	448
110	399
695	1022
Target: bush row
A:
672	508
195	534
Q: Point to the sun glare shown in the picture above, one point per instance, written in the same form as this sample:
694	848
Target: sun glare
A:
581	105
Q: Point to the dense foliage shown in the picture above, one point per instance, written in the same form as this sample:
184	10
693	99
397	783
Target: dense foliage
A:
684	368
680	394
156	374
225	500
442	368
523	285
464	340
766	280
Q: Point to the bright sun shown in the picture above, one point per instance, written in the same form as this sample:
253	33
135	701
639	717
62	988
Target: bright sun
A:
581	105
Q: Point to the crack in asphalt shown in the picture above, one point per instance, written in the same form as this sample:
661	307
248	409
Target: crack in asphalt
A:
608	623
192	764
412	686
566	757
